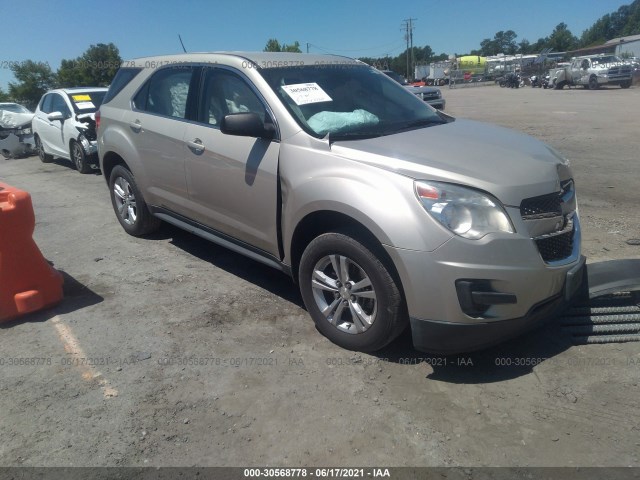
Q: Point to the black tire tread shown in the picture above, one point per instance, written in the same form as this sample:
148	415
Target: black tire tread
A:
396	308
146	223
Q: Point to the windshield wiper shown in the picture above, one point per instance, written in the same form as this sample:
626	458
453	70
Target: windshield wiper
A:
333	137
424	122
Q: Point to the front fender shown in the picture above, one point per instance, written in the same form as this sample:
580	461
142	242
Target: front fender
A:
382	201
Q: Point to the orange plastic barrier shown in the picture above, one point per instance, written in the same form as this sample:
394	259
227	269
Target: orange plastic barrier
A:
27	282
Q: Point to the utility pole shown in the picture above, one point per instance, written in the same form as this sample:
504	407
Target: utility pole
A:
408	25
307	47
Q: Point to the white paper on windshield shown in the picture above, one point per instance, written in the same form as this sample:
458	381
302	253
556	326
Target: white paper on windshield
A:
85	105
304	93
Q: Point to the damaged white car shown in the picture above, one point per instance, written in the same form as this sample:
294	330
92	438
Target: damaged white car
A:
16	135
64	126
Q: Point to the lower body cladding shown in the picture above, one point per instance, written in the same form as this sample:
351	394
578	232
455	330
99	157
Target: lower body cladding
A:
471	294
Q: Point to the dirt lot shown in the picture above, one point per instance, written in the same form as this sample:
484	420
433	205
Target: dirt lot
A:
198	356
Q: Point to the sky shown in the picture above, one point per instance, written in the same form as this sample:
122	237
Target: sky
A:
46	31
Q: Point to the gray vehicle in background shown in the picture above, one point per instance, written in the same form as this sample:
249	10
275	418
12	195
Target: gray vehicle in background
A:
430	95
385	212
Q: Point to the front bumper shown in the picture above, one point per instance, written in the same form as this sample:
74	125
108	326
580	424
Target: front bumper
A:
469	294
448	338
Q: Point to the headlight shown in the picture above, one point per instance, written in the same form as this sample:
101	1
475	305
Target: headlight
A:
25	131
466	212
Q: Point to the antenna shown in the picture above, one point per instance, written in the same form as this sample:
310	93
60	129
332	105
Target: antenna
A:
185	50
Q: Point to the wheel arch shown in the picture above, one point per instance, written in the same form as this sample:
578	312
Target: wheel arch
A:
325	221
109	162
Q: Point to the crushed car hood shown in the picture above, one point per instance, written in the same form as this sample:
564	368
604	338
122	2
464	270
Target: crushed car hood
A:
14	120
505	163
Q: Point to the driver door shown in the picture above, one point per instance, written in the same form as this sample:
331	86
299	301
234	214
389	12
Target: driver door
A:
232	180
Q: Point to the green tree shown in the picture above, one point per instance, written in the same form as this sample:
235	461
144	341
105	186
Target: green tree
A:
273	45
502	42
561	39
540	45
33	79
4	96
624	21
96	67
524	47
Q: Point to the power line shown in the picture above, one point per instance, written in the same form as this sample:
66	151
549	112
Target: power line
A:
328	50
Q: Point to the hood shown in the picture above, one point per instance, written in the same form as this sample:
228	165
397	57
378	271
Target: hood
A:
14	120
509	165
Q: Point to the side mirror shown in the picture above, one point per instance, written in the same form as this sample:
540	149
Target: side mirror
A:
246	125
56	116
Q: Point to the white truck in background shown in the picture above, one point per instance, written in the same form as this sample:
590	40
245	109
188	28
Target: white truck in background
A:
592	71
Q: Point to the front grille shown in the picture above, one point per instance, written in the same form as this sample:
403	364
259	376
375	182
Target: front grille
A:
556	207
556	248
542	206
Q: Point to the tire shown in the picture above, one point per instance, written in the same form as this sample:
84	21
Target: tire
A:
593	83
625	84
79	158
364	309
44	157
129	205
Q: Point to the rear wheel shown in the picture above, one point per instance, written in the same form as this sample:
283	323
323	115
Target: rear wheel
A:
131	209
350	294
44	157
79	158
625	84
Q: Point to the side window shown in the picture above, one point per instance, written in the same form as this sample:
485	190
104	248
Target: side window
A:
224	93
59	105
45	105
166	93
122	78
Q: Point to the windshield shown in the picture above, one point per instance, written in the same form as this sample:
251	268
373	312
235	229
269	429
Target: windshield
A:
87	102
14	107
348	101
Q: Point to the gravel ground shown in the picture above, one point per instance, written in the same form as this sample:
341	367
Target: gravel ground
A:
197	356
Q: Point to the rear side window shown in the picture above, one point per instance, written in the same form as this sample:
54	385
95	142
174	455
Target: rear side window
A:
122	78
166	92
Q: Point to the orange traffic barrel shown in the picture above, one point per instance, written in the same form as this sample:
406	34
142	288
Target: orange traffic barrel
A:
27	282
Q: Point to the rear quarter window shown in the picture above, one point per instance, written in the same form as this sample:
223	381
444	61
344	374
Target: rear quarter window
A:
121	80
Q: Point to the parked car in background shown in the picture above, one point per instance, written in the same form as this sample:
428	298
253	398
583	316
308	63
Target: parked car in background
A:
16	135
430	95
378	205
64	126
592	72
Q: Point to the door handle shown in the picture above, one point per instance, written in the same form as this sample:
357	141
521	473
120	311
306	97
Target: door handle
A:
135	126
196	145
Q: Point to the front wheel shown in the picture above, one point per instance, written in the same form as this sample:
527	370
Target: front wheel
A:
350	294
79	158
44	157
130	207
593	83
